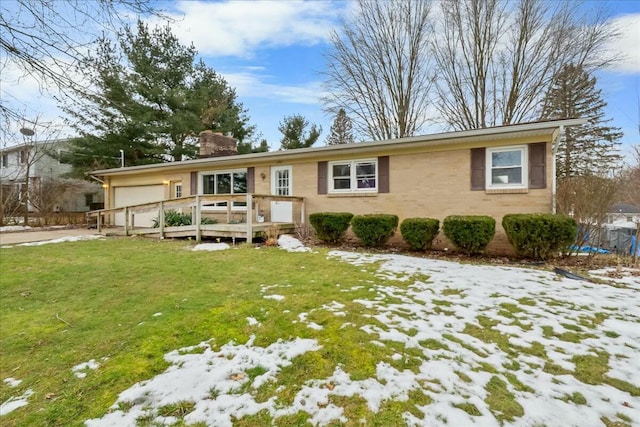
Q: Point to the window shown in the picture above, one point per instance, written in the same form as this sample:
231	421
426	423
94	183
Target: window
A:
23	157
5	160
177	190
506	167
227	182
88	199
353	176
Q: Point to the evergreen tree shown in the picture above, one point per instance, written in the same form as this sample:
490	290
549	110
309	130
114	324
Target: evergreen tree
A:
152	99
295	135
341	131
588	149
249	147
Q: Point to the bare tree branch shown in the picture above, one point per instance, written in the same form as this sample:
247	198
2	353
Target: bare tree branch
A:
378	69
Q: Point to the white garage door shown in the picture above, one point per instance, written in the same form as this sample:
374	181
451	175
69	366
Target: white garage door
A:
127	196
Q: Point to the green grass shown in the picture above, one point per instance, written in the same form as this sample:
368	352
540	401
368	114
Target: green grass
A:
108	292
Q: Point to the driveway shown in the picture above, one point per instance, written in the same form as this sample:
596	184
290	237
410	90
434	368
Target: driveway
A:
38	235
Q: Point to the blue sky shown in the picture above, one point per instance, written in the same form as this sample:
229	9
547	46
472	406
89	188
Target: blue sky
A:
272	53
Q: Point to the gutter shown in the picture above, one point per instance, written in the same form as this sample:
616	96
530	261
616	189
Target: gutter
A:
449	138
96	178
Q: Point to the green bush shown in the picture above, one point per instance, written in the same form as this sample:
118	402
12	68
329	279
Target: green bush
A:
330	226
539	236
419	233
175	219
374	229
471	234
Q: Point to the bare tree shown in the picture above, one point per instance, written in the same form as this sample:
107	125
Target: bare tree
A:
587	199
378	68
43	39
496	59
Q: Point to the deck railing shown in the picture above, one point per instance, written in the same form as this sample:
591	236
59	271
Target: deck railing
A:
253	209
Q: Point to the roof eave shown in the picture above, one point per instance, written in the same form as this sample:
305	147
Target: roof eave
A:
426	140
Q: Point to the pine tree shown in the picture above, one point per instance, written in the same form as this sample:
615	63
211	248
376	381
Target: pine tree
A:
295	135
593	147
152	99
341	131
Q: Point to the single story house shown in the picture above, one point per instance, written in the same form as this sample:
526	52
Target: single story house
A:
492	171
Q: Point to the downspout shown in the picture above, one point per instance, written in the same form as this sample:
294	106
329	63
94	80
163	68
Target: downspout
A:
554	153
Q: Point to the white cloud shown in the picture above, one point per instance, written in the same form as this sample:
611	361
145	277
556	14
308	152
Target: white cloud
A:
239	28
249	84
628	45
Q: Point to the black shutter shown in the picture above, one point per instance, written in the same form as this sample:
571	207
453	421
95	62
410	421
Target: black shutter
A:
478	161
538	165
194	183
251	180
322	177
383	174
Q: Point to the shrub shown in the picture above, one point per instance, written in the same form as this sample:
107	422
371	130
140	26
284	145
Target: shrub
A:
374	229
539	236
471	234
330	226
419	233
174	219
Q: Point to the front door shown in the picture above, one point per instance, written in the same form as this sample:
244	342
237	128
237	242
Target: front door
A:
281	185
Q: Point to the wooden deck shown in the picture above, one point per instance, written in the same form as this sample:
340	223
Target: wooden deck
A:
199	207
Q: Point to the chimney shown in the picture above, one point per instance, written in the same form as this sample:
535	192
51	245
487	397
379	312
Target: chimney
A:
215	144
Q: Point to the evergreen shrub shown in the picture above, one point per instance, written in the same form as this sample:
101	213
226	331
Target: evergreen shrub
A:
539	236
175	219
374	229
330	227
419	233
471	234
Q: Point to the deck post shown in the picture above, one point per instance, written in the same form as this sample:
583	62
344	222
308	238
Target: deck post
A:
126	220
229	204
99	222
161	219
302	212
249	218
197	220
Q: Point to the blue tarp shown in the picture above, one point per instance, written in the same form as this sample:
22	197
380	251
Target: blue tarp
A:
588	249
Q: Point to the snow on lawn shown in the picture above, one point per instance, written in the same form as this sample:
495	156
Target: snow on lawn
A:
479	330
291	244
80	370
14	403
9	228
211	247
64	239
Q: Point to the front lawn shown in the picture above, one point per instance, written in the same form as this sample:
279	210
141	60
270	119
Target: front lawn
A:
141	332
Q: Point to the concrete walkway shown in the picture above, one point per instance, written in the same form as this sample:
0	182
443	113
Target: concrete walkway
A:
35	235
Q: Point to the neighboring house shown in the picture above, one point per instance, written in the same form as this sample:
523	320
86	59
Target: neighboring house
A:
623	212
49	190
493	171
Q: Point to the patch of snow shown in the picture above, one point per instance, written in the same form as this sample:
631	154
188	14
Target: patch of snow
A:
12	382
211	380
252	321
14	403
315	326
274	297
8	228
64	239
80	370
211	247
291	244
527	307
